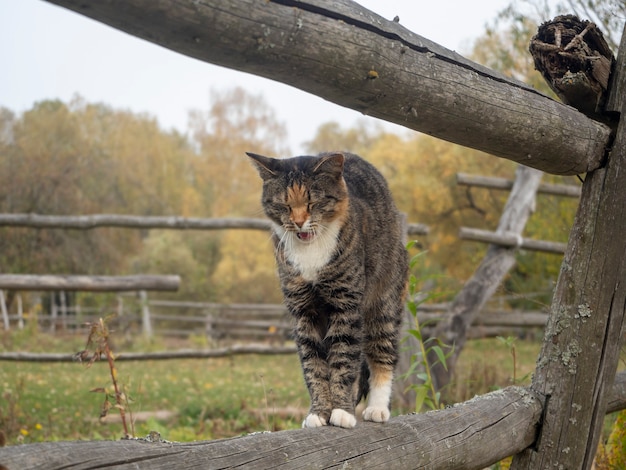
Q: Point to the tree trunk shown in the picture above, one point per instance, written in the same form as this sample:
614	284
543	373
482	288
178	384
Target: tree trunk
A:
486	279
348	55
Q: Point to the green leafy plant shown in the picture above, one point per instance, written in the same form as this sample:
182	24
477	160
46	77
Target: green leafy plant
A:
426	394
99	345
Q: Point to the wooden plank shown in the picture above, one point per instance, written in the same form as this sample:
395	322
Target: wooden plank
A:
89	283
348	55
511	240
157	355
87	222
492	182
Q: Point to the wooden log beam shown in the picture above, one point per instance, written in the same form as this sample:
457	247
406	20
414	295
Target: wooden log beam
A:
87	222
348	55
236	350
575	60
453	438
417	229
511	240
448	439
89	283
492	182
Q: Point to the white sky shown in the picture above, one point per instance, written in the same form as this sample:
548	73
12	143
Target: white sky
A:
47	52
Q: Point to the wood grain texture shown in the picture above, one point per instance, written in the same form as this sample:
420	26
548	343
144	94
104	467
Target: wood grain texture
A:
467	436
350	56
581	347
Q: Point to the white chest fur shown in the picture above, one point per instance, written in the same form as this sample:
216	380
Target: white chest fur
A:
309	257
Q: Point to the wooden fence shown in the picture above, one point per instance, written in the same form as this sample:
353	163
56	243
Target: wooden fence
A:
350	56
227	323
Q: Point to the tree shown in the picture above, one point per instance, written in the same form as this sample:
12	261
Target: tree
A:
235	123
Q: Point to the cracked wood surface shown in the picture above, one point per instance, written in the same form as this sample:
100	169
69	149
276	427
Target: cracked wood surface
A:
580	352
350	56
468	436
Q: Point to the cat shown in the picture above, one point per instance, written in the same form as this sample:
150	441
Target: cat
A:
343	271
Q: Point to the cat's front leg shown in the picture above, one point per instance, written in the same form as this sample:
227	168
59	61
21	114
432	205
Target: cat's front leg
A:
344	362
313	355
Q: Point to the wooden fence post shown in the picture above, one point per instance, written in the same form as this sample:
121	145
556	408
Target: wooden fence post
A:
489	274
145	314
20	312
581	347
5	313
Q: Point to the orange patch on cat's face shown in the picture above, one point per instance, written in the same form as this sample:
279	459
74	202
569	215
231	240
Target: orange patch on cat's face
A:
298	201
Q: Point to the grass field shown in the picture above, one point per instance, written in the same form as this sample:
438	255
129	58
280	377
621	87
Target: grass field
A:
193	399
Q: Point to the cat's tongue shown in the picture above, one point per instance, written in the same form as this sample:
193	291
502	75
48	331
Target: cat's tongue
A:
305	236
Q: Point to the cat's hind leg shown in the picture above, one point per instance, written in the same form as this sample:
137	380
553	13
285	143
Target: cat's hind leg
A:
380	382
381	351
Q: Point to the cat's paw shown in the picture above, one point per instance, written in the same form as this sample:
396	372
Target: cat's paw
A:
313	421
378	414
342	418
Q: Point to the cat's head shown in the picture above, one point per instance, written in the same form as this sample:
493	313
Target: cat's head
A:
303	195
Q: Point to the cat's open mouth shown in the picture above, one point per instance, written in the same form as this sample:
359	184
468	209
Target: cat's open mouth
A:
305	236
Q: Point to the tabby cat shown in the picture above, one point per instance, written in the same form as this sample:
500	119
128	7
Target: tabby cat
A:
343	270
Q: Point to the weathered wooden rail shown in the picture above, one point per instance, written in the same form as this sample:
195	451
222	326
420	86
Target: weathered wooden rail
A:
93	221
89	283
467	436
348	55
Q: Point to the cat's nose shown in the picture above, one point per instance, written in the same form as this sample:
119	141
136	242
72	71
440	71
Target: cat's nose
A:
299	217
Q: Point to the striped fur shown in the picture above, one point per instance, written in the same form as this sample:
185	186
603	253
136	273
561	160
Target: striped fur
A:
343	270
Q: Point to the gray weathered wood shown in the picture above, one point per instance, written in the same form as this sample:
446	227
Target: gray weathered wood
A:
467	436
348	55
5	313
157	355
492	182
86	222
89	283
488	276
581	347
575	60
511	240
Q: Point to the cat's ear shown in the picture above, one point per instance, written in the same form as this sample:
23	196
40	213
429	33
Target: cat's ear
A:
265	165
332	164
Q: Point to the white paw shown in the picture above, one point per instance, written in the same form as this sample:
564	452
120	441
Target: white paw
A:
342	418
313	421
376	414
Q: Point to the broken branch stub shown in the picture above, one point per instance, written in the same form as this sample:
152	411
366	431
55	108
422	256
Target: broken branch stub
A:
575	60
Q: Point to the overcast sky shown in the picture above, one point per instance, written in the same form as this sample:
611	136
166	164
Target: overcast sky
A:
48	52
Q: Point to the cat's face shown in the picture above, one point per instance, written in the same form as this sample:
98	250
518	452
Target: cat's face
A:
303	195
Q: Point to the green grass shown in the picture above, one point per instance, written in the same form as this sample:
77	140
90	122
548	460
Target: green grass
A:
209	398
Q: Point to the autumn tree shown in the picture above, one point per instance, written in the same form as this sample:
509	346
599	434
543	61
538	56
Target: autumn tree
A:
236	122
79	158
